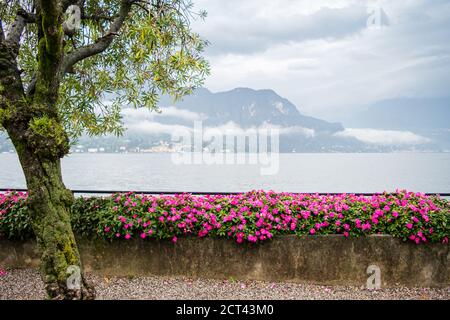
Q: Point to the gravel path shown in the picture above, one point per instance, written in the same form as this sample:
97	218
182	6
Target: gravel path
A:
26	284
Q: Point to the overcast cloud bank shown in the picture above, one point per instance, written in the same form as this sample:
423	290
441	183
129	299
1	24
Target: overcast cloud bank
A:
321	54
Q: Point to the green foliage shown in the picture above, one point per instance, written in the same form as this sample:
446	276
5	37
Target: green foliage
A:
155	52
86	215
48	128
48	137
4	115
15	221
253	216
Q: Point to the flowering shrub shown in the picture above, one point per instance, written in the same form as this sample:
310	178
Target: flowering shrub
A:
15	222
255	216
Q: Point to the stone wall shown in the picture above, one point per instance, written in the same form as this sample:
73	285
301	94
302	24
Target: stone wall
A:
329	260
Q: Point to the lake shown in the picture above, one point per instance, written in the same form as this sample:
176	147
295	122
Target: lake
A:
319	172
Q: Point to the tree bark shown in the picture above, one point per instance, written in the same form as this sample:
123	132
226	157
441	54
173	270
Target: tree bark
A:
37	133
50	203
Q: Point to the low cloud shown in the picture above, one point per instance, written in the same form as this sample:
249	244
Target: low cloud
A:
133	115
153	127
383	137
146	126
235	129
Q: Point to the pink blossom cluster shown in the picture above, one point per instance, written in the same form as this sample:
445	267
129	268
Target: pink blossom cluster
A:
10	198
258	216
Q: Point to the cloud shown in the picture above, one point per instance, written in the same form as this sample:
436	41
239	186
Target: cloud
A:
383	137
154	128
234	129
250	27
132	114
146	126
320	55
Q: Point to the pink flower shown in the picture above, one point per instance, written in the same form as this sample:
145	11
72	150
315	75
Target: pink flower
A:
409	225
395	214
174	239
127	236
312	231
143	235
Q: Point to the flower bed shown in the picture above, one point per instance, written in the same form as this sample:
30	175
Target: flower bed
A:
254	216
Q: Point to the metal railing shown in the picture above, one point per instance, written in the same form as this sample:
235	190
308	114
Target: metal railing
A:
81	191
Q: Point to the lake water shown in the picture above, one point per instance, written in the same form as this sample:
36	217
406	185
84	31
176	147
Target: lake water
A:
424	172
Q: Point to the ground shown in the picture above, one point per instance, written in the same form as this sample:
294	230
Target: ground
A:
26	284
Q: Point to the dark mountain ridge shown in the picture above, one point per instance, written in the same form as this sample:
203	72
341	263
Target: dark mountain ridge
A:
248	107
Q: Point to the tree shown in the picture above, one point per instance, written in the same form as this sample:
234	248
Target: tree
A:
59	61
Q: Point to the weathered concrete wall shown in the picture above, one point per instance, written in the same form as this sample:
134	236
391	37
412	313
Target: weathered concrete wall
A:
312	259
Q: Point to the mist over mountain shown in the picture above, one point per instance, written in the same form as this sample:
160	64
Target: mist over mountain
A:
387	126
241	109
428	118
416	114
249	108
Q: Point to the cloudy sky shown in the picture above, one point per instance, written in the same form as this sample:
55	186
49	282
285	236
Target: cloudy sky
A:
323	55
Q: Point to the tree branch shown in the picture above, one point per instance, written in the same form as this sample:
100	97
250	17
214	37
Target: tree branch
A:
98	17
17	27
67	3
101	44
32	85
50	53
2	34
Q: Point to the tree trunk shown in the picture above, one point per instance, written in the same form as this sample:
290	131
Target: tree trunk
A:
35	127
50	204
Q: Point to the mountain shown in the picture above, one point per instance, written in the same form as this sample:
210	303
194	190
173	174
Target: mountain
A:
248	108
243	108
415	114
387	126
